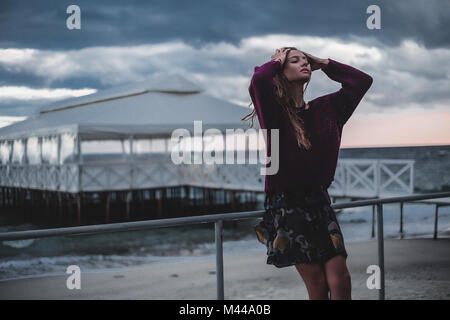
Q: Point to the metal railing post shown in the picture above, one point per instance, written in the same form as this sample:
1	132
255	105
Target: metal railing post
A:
401	217
219	260
380	237
435	222
373	221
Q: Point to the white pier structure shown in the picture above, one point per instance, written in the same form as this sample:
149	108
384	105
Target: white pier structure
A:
114	139
119	139
355	178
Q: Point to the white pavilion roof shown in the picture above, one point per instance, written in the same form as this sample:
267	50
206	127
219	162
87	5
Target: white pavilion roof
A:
150	108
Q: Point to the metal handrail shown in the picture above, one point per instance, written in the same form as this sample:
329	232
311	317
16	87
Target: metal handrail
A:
218	220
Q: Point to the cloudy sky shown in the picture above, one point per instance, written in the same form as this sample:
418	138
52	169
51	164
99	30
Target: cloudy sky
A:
217	44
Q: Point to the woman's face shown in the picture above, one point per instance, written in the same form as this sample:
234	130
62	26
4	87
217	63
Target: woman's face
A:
297	67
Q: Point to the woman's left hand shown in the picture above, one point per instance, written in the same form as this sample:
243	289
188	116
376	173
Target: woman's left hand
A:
316	63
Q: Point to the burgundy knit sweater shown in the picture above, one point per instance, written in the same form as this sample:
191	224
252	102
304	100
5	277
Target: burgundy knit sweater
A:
323	123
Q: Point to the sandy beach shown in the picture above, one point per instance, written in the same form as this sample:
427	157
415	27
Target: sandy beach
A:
415	269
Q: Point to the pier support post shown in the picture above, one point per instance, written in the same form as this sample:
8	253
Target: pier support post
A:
233	201
59	206
127	204
186	197
69	205
107	207
142	203
204	201
32	199
160	203
22	202
3	197
15	198
9	195
78	208
47	204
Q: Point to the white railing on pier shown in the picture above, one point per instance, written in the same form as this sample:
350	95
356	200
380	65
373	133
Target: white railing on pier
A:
373	178
353	177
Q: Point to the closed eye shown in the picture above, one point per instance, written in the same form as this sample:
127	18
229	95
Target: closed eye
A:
296	59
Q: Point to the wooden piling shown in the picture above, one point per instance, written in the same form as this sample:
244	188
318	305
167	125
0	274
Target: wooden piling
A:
69	205
32	199
3	197
59	206
47	204
233	200
186	196
160	204
78	208
15	198
107	207
141	202
127	204
204	201
22	203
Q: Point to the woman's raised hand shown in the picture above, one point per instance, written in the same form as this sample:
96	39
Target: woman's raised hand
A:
316	63
280	55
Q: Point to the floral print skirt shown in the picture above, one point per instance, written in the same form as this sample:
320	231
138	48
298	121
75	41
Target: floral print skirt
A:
300	226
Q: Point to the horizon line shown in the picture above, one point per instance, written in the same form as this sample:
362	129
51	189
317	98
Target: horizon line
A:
394	146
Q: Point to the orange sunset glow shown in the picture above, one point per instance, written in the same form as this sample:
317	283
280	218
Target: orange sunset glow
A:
404	129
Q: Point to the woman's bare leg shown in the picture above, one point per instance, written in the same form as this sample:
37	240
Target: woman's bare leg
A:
338	278
313	275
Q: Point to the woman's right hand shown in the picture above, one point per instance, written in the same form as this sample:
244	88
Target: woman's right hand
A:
280	55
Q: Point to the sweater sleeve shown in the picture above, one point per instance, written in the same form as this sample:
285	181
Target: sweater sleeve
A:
355	84
261	92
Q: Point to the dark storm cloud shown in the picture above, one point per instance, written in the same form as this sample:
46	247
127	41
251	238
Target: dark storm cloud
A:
426	22
41	24
125	27
8	78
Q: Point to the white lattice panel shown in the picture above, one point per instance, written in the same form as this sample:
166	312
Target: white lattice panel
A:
353	177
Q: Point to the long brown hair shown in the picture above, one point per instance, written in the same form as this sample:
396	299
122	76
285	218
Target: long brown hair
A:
283	95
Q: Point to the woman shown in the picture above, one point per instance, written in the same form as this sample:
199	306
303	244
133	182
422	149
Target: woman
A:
299	226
